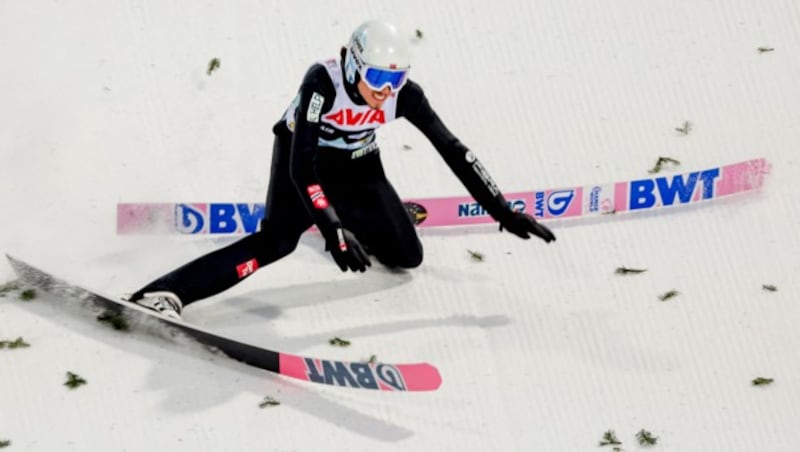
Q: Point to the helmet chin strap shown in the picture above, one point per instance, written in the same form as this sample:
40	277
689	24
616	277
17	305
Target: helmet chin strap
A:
351	77
350	67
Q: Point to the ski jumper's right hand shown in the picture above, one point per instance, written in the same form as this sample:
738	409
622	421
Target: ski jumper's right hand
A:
347	251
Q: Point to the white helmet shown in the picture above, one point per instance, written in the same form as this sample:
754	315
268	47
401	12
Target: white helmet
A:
379	54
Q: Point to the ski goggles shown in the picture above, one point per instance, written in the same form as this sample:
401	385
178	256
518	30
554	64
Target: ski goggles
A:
377	78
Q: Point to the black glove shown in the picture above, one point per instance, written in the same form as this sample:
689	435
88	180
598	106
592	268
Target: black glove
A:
347	251
522	224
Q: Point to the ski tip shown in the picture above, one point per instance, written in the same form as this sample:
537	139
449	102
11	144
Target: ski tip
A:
421	377
16	264
376	376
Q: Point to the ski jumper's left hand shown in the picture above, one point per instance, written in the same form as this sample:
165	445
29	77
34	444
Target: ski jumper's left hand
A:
522	225
347	250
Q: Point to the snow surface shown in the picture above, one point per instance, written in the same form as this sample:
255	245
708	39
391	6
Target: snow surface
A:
541	347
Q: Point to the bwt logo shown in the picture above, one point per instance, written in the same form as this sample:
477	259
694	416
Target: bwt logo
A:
557	202
647	193
218	218
474	209
355	375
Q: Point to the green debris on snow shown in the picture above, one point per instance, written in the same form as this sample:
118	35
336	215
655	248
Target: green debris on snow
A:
646	438
74	381
17	343
685	128
610	439
475	255
661	162
373	359
761	381
339	342
668	295
629	271
213	65
268	401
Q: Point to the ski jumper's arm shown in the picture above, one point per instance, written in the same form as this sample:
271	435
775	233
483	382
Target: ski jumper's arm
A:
315	98
414	106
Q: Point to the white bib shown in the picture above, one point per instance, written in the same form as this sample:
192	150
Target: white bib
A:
346	126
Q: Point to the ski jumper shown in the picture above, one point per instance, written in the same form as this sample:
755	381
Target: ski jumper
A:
326	171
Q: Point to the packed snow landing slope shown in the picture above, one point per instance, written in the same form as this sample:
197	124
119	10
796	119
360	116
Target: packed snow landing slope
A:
540	347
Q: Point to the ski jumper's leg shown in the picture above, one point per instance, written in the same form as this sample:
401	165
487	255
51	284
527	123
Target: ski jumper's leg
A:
285	221
369	206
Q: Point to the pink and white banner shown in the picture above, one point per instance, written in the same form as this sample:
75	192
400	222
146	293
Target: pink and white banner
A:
636	195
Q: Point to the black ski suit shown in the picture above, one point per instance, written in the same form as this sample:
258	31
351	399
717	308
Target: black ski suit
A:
326	171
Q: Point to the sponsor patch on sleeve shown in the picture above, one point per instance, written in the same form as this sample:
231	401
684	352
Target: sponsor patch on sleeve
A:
317	196
315	107
247	268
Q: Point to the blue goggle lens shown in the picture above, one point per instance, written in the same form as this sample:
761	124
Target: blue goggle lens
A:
378	78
